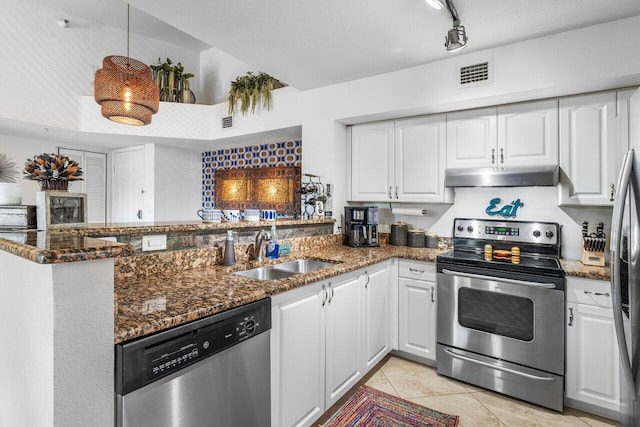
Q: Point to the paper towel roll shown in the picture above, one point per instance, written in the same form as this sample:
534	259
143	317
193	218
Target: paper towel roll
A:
409	211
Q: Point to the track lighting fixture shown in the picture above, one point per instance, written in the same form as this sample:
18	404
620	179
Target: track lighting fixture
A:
436	4
456	37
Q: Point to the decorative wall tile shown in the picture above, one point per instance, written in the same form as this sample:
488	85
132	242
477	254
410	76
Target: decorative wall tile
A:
285	153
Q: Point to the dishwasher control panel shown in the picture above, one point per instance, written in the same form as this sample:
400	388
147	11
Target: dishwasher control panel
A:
148	359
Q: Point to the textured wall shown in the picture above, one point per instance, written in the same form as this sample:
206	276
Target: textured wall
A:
285	153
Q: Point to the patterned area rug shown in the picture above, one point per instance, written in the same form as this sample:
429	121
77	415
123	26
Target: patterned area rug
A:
370	407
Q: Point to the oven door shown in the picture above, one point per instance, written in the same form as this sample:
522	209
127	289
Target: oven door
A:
515	321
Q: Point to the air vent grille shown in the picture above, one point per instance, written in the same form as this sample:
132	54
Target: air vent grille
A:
474	74
227	122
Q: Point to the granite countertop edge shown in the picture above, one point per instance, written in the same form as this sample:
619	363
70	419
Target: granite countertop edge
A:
227	290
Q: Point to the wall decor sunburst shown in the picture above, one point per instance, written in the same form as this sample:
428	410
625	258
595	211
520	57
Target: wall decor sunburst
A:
8	171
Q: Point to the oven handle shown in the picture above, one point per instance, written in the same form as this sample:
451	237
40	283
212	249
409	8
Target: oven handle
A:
500	279
499	368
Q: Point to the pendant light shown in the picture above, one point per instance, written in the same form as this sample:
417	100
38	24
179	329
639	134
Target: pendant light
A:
125	89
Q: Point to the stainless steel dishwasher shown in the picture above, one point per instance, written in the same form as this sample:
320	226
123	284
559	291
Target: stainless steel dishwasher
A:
210	372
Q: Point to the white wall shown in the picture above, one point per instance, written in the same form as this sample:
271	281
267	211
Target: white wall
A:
221	68
178	184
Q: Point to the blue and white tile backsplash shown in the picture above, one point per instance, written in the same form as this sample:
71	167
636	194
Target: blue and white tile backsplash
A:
285	153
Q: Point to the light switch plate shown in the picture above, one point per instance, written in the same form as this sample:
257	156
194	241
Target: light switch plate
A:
157	242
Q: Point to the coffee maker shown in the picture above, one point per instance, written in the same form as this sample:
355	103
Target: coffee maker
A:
361	226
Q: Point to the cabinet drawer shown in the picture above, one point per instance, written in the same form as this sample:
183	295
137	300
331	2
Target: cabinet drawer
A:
417	270
589	291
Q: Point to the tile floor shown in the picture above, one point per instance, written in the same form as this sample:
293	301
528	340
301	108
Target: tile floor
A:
475	406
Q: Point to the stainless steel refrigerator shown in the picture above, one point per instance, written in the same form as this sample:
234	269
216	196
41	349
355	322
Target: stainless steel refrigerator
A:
625	271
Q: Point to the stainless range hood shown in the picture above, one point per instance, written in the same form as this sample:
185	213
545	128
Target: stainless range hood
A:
524	176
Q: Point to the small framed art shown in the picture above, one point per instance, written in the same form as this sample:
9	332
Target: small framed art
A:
60	209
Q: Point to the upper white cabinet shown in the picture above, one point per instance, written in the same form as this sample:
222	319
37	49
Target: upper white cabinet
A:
401	161
593	141
524	134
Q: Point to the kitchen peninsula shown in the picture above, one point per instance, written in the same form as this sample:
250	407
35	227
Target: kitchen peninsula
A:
68	296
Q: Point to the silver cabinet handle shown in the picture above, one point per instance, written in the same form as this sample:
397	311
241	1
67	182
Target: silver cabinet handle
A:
390	188
496	367
599	294
416	270
493	155
139	214
396	191
502	155
324	295
499	279
432	294
366	285
571	317
613	192
330	296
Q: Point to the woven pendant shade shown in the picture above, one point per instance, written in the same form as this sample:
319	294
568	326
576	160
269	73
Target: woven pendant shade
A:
126	91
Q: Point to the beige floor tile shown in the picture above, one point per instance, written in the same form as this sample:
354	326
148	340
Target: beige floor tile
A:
592	420
380	382
471	412
516	413
412	379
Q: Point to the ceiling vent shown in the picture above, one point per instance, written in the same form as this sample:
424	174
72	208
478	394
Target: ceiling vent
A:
227	122
476	74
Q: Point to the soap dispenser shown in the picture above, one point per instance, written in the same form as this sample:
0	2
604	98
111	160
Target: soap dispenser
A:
273	248
229	250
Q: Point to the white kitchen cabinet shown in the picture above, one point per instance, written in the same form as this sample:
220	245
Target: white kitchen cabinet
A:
591	148
325	336
417	309
523	134
377	313
401	161
343	337
372	161
298	356
592	376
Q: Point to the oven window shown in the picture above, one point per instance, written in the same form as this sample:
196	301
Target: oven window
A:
498	314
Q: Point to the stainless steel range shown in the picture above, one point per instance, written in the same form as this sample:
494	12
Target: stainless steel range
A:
501	309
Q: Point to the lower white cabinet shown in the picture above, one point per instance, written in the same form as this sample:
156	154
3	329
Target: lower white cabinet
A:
417	309
325	336
592	376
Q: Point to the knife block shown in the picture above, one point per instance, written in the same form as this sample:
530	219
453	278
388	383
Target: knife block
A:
591	257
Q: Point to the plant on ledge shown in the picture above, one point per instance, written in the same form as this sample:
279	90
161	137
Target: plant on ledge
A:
52	171
172	82
251	90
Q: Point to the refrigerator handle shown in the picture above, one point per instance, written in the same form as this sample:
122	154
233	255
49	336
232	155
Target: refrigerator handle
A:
616	239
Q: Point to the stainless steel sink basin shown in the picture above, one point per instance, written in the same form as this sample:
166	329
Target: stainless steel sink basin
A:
302	265
285	269
265	273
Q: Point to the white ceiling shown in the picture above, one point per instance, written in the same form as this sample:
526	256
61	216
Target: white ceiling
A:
310	44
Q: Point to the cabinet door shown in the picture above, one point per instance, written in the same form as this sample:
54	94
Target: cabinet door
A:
297	356
528	134
592	357
472	138
417	323
590	152
371	162
420	158
377	318
343	338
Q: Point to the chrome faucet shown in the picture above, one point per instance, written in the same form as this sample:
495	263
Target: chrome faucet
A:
261	237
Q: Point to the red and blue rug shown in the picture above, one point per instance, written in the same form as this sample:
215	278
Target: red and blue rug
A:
372	408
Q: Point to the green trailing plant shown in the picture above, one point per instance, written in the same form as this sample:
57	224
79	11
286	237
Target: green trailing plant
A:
171	79
251	90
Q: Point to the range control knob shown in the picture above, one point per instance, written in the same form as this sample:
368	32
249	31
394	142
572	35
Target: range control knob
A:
549	234
536	233
470	229
460	228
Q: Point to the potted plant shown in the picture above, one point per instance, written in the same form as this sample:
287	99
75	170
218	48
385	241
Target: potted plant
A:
251	90
52	171
173	83
10	192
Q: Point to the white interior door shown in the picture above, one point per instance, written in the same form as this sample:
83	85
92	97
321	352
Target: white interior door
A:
127	198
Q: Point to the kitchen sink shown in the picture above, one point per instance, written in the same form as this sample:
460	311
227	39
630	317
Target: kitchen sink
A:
285	269
303	265
265	273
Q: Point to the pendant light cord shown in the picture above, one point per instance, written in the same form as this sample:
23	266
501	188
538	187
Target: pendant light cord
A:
128	6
